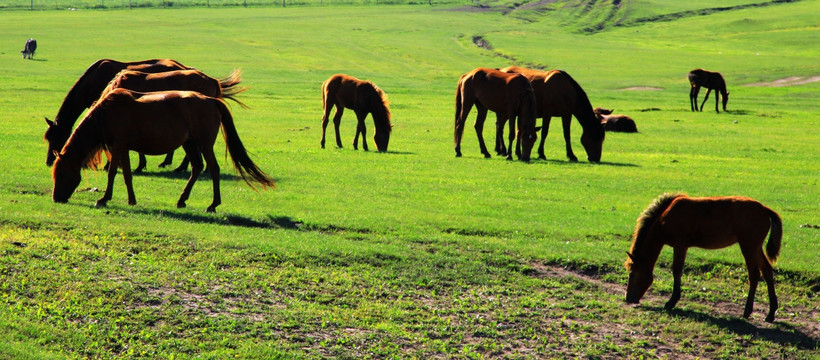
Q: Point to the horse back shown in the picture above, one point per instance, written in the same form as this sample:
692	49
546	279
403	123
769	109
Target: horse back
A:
714	222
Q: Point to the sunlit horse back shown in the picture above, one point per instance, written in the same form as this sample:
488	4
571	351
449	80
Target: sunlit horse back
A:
508	95
153	123
710	223
363	97
558	95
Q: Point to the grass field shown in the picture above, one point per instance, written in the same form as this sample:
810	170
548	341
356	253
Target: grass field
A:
414	253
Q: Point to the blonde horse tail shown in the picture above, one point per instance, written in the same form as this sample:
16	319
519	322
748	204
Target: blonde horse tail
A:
775	237
241	160
230	86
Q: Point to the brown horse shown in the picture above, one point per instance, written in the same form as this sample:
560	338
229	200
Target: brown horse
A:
190	80
88	89
558	94
508	95
711	81
616	123
710	223
153	123
363	97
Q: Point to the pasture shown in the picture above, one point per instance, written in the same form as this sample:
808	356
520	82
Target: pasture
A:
414	253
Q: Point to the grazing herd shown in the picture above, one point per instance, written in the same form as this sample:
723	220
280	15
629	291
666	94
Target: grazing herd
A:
155	106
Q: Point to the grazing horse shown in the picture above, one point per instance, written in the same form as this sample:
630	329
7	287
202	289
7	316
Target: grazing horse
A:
29	48
191	80
710	223
153	123
558	94
616	123
88	89
508	95
363	97
711	81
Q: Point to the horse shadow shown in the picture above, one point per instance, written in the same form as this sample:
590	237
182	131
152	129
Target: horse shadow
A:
271	222
578	163
184	175
783	333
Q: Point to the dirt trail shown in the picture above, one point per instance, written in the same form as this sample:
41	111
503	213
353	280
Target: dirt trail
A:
789	81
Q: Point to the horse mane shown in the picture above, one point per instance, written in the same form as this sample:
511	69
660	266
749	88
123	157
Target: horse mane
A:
583	107
230	88
647	218
73	101
381	106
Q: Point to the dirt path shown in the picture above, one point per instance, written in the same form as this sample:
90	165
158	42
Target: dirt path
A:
789	81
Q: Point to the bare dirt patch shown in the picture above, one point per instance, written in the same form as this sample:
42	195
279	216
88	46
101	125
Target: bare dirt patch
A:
641	88
789	81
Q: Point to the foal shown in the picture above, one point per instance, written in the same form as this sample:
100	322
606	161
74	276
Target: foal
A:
711	81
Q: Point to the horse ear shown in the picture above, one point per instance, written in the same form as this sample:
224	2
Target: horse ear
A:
56	153
49	122
631	257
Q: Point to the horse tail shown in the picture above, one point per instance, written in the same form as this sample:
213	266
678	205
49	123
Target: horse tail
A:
241	160
775	236
230	86
459	88
648	218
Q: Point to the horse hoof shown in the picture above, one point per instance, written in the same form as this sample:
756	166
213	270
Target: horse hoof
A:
770	318
487	156
100	203
181	205
211	209
573	159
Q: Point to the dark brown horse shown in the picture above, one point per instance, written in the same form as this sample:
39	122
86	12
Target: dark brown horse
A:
710	223
88	89
558	94
153	123
616	123
508	95
363	97
711	81
190	80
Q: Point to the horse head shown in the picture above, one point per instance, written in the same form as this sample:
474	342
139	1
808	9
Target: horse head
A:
593	141
382	138
640	278
66	179
527	132
55	136
725	100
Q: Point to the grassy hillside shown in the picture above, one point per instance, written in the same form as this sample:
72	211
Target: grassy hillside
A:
412	253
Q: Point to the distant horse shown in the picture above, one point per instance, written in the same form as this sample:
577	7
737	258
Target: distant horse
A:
363	97
558	94
153	123
191	80
88	89
710	223
711	81
508	95
29	48
616	123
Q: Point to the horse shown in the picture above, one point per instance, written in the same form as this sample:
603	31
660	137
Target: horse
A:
710	80
558	94
88	89
363	97
710	223
191	80
152	123
616	123
508	95
29	48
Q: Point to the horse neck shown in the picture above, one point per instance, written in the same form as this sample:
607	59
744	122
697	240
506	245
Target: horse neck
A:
86	90
86	139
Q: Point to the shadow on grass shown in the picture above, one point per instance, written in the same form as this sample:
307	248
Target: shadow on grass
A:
567	162
184	175
781	333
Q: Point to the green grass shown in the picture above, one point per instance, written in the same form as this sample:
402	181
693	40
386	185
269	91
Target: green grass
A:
412	253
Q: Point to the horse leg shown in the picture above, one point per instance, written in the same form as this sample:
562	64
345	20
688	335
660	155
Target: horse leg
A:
113	164
768	275
183	165
126	176
140	164
500	147
677	273
213	169
193	155
567	123
717	100
360	129
753	267
513	135
545	128
169	160
481	116
706	97
325	117
693	97
337	119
